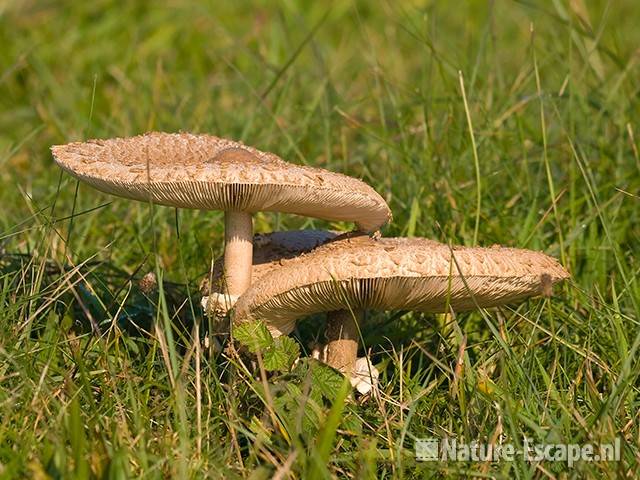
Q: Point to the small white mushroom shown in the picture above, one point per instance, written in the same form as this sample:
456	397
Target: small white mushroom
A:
218	304
364	377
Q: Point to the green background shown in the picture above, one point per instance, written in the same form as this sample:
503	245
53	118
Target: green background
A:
369	89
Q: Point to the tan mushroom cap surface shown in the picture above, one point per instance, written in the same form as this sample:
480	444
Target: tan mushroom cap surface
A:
270	250
394	274
211	173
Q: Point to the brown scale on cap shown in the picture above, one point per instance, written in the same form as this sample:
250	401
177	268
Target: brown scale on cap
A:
207	172
395	274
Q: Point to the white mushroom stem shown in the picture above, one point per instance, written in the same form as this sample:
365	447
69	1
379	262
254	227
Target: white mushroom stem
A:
238	252
342	339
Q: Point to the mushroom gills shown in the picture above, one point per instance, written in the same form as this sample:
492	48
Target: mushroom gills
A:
360	273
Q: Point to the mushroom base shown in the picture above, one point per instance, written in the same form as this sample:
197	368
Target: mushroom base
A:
342	339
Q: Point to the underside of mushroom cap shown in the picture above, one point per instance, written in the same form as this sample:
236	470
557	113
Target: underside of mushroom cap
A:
395	274
211	173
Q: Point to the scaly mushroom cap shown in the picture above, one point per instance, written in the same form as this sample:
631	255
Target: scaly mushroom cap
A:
395	274
269	251
211	173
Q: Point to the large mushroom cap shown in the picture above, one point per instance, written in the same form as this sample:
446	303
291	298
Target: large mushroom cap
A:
211	173
395	273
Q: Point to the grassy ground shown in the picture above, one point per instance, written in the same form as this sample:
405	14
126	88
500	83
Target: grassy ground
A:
95	380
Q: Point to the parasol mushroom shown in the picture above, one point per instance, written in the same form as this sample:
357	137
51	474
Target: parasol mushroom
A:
211	173
354	274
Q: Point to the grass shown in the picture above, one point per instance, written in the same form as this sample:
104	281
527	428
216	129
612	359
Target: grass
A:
491	122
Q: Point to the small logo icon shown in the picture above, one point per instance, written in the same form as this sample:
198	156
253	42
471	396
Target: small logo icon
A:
426	449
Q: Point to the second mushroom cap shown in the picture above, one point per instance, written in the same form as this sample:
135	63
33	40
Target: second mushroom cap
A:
395	274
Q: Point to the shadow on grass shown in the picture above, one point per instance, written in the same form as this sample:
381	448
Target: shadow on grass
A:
92	296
